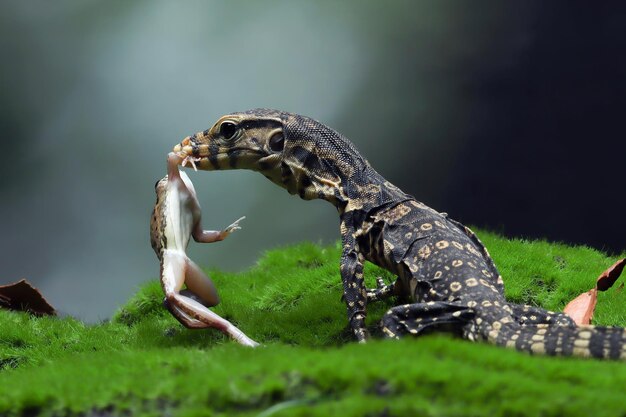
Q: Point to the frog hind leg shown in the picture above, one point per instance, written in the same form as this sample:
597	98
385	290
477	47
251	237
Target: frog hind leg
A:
416	318
199	288
174	269
173	276
201	285
183	318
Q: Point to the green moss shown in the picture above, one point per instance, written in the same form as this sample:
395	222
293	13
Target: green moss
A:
143	362
551	274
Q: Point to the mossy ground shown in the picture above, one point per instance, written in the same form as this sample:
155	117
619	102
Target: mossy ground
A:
143	362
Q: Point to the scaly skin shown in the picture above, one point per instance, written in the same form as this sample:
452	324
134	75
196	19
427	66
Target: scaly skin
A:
442	267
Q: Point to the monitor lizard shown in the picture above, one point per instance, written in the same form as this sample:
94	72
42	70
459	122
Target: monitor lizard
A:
441	266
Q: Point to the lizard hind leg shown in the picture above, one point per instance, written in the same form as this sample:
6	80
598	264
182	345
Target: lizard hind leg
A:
530	315
419	317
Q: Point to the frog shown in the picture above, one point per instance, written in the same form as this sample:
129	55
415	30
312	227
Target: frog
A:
176	218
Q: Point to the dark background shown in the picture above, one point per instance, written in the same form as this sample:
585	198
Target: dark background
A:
507	115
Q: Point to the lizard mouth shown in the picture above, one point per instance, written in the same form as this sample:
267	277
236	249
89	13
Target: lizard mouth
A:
185	157
190	160
200	156
195	156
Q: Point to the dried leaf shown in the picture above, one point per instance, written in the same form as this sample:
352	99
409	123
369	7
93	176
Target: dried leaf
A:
22	296
608	277
581	308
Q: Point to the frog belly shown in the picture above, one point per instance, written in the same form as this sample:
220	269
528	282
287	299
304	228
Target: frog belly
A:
179	224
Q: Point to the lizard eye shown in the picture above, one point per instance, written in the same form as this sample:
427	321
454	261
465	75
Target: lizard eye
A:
277	142
228	130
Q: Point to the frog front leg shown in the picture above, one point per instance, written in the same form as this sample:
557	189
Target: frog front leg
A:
354	290
175	268
209	236
195	278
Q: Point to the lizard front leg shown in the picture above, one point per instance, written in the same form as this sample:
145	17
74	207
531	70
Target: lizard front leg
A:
382	290
354	290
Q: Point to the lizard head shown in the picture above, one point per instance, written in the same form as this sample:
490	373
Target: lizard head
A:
295	152
237	141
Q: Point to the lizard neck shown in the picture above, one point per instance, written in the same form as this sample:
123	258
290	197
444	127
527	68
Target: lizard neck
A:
366	193
319	162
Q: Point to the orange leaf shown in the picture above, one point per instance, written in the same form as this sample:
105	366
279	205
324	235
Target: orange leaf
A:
608	277
581	308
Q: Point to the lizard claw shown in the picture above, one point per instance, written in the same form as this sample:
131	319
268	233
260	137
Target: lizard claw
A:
381	291
357	323
372	295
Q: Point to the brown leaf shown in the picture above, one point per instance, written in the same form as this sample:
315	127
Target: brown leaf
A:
608	277
581	308
22	296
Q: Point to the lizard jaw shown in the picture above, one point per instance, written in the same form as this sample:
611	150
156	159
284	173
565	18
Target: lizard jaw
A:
183	157
187	151
200	157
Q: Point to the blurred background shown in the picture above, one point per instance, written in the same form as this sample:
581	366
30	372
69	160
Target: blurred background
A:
510	116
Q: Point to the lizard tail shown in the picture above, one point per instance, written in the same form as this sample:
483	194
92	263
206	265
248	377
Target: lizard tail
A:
557	340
